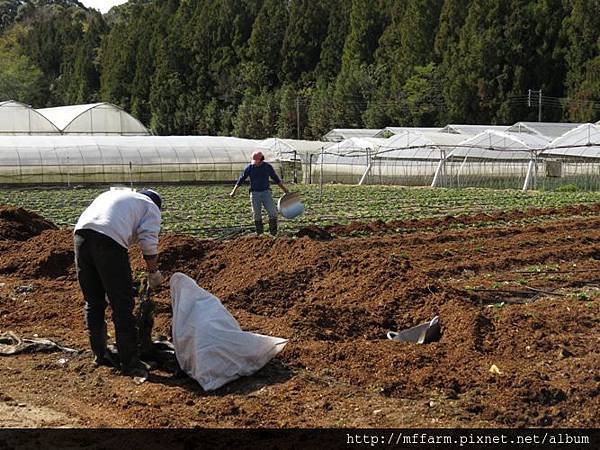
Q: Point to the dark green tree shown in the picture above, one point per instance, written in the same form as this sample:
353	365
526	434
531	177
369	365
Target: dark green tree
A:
582	50
301	48
20	78
331	57
354	83
266	41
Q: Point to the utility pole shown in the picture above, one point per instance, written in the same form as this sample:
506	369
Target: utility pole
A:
298	117
540	106
539	102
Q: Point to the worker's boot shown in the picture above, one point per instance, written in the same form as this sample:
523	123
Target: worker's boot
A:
259	226
129	354
103	356
273	226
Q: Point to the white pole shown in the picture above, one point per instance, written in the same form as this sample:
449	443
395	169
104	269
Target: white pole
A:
367	170
436	176
321	180
364	175
529	176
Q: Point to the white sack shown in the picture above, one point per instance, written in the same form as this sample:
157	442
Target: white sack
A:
209	344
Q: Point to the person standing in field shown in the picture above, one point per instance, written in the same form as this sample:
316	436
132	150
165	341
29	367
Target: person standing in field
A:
103	234
260	172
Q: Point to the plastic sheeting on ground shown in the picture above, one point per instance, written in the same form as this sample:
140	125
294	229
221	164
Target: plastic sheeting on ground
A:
11	344
209	344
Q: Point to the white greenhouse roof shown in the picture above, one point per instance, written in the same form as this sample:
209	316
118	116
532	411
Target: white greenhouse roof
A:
95	118
356	145
472	129
17	119
122	150
419	146
550	130
276	148
339	134
583	141
398	130
498	145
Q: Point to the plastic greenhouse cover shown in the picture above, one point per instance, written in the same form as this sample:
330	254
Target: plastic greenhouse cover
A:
399	130
550	130
18	118
356	144
419	146
339	134
583	141
93	118
472	129
125	149
284	148
497	145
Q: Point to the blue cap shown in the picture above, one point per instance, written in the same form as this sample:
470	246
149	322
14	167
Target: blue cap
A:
154	196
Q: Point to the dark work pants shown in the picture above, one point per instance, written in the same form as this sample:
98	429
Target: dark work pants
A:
103	270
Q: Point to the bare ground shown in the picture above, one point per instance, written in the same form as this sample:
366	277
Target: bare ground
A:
516	290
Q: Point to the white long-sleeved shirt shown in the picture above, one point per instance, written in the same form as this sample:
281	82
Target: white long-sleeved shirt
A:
126	217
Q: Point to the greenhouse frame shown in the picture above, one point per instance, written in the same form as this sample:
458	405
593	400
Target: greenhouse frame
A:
411	158
388	132
297	158
348	161
573	159
94	119
492	159
472	130
33	151
121	159
341	134
20	119
548	130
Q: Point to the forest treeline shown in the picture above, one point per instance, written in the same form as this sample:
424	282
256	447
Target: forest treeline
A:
297	68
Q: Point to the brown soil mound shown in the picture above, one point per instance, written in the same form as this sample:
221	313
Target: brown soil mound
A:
521	296
47	255
18	224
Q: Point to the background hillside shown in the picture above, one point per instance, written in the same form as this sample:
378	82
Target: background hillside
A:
259	68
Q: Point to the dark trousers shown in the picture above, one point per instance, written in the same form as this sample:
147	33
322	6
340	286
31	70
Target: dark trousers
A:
103	270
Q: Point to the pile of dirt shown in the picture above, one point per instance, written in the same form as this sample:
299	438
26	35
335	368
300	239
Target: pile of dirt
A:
510	353
18	224
46	255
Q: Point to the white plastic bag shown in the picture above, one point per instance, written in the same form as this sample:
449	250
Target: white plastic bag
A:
209	344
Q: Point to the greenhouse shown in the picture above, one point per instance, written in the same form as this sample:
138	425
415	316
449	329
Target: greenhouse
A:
340	134
120	159
20	119
412	158
297	158
391	131
472	130
548	130
94	119
347	161
573	159
492	159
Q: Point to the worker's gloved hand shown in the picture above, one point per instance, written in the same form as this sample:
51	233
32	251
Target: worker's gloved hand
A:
155	279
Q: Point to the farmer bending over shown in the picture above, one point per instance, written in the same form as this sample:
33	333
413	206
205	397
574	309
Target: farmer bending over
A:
103	233
259	172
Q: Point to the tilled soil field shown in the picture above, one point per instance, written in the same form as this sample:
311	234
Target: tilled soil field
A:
518	291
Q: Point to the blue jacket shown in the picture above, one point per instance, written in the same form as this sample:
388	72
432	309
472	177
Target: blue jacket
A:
259	176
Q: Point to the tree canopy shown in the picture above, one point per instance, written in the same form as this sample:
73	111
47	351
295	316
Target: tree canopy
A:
297	68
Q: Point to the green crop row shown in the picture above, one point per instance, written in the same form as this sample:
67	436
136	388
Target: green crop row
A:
208	211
